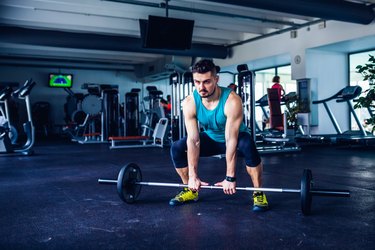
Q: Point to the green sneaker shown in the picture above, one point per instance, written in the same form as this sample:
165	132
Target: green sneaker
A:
186	195
260	202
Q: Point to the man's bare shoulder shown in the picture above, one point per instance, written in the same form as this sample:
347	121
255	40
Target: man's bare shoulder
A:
233	104
188	105
234	99
188	99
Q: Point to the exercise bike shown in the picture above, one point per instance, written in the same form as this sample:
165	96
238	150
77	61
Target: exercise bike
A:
5	123
6	145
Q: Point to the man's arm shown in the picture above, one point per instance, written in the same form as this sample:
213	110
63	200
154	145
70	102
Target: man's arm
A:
234	113
193	143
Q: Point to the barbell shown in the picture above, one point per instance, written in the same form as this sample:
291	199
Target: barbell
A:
129	183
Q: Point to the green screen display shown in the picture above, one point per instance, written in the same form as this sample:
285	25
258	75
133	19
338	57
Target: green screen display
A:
60	80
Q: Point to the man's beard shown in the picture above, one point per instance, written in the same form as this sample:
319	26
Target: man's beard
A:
213	92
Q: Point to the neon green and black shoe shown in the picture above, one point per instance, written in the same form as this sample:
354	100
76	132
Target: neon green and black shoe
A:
260	202
186	195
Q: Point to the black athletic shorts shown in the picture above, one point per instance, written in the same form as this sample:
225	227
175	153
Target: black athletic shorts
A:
208	147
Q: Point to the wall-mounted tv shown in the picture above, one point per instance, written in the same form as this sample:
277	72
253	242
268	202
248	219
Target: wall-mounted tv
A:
60	80
166	33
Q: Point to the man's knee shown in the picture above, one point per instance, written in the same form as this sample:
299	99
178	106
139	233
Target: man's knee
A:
179	154
178	148
248	150
254	163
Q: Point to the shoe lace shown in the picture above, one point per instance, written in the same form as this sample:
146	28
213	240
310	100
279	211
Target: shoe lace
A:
184	191
258	197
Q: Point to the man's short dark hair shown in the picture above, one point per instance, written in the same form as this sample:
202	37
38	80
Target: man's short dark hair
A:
205	65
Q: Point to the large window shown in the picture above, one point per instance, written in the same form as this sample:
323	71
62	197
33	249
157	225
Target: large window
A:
285	74
357	79
263	80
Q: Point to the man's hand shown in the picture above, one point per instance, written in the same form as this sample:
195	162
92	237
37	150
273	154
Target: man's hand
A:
195	184
228	187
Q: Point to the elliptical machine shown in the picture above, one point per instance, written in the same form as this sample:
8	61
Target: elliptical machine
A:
6	145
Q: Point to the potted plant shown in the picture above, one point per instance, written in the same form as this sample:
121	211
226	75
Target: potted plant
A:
368	100
292	108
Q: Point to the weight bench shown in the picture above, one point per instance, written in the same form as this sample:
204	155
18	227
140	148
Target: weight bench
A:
90	138
157	139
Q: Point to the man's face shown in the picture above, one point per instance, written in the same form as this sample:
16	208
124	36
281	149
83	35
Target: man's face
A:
205	83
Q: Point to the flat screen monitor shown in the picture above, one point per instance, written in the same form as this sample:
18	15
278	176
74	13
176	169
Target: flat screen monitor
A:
60	80
166	33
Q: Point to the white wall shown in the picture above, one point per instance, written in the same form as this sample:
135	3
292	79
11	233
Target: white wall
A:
329	74
278	47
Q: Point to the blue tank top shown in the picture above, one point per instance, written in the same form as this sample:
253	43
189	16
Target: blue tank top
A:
213	121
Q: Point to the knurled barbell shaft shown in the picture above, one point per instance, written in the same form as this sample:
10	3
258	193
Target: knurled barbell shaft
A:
159	184
318	192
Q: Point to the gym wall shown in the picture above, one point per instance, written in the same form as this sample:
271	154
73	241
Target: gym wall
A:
57	97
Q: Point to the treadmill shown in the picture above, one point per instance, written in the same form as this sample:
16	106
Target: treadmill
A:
346	95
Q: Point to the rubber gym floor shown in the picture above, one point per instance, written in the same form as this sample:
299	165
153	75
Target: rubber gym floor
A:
52	200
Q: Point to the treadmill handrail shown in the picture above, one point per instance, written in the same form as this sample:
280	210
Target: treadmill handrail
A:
340	97
351	95
329	98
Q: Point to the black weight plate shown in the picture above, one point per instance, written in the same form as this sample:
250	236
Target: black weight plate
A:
306	186
126	187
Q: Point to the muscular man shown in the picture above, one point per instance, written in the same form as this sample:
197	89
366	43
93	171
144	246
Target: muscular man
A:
219	111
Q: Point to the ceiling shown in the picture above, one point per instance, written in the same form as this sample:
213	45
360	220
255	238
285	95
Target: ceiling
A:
105	33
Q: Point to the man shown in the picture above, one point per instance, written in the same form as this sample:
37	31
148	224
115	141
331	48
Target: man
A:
219	111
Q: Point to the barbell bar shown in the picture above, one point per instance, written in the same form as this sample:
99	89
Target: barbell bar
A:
129	183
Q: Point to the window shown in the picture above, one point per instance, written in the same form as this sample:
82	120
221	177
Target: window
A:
285	74
357	79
